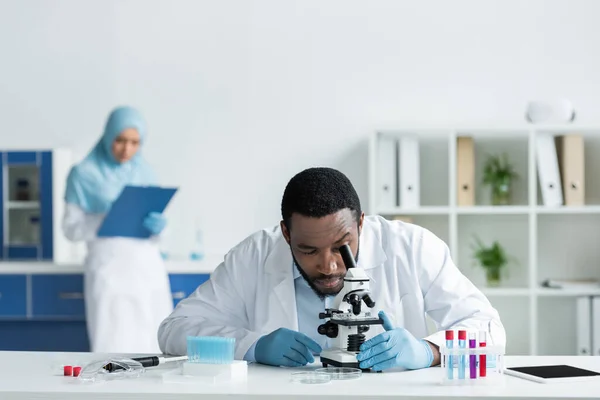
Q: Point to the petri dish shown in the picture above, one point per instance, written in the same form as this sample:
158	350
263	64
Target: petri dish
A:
341	373
310	377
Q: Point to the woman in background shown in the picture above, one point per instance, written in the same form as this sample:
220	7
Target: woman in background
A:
127	291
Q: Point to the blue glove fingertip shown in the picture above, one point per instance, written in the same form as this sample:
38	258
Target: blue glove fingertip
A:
365	347
308	342
155	216
155	222
387	324
319	349
428	351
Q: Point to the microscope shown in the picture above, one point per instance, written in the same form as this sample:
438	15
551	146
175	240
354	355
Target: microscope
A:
348	321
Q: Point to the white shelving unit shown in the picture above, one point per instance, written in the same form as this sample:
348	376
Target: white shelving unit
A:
547	242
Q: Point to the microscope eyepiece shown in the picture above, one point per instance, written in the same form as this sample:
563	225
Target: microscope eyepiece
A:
347	256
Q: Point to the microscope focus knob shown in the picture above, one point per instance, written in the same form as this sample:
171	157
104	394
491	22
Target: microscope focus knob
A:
328	329
363	328
368	301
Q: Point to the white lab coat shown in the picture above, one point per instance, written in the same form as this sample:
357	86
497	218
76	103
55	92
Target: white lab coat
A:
252	292
126	287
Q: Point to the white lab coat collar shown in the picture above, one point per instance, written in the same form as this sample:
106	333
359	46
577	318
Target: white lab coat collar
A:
279	269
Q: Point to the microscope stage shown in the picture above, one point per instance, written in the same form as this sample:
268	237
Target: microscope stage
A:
354	322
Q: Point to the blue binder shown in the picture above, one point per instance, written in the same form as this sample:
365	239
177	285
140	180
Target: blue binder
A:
126	216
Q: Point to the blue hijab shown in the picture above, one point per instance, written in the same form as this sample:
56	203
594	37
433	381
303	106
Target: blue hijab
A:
99	178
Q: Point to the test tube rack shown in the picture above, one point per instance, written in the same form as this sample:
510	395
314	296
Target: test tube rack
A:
479	365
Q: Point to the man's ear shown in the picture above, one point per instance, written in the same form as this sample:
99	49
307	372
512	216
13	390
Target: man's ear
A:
360	222
285	232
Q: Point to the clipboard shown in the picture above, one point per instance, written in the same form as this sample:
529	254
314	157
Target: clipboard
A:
126	216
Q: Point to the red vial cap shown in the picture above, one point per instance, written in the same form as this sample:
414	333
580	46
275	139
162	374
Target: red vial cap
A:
462	335
76	371
68	370
449	335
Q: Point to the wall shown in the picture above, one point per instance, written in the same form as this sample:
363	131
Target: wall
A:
240	95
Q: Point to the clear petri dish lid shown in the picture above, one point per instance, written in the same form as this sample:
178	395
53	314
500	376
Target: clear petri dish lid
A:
310	377
341	373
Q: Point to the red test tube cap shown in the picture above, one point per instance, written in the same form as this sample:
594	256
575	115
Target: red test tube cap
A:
462	335
449	335
76	371
68	370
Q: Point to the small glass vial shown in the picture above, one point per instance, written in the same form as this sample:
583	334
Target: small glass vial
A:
23	193
197	253
35	230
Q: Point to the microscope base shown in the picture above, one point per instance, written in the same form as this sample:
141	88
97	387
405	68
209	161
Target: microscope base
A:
339	358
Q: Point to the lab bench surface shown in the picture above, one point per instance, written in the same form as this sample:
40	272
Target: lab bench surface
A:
37	375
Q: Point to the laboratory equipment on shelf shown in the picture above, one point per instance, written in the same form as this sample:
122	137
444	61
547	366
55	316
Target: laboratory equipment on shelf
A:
23	191
197	253
32	188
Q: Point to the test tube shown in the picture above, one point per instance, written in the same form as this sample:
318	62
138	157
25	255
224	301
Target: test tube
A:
482	360
473	357
462	359
450	359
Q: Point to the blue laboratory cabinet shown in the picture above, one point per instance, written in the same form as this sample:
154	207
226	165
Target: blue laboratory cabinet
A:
46	312
32	185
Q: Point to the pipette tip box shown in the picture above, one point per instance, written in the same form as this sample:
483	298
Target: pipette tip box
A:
210	360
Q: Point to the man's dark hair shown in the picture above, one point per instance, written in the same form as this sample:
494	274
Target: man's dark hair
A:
318	192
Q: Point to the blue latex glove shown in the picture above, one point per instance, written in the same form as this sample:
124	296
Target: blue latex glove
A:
155	222
394	348
284	347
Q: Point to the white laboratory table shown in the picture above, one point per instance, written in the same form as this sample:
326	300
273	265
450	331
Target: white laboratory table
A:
25	375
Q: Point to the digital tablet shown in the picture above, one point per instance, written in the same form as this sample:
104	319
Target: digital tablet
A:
553	373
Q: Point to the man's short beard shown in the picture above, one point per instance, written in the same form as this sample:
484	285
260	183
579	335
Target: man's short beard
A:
308	280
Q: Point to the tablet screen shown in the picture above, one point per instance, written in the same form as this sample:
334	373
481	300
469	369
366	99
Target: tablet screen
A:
555	371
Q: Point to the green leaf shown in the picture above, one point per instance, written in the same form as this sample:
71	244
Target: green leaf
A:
492	257
498	170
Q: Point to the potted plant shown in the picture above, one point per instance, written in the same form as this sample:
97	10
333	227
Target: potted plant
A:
493	259
499	174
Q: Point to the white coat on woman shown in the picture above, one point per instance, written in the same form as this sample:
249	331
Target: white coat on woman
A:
126	285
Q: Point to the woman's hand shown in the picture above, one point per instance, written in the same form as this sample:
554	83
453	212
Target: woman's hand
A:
155	222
